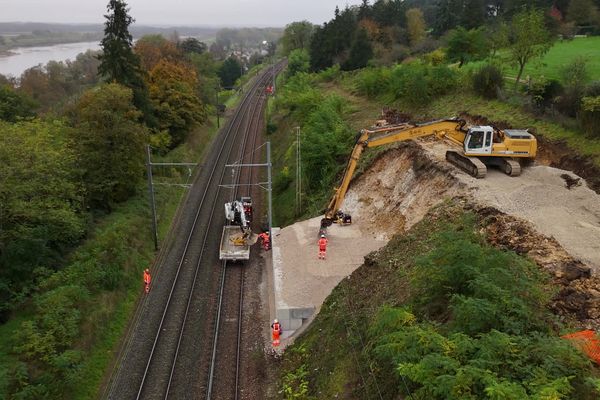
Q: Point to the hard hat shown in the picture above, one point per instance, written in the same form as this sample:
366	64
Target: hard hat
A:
322	235
275	321
146	270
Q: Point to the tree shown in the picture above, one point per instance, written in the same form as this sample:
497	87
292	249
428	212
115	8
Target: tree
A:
110	144
582	12
296	35
118	62
40	202
173	95
464	46
415	24
14	105
360	53
152	49
530	38
192	45
230	72
298	61
497	37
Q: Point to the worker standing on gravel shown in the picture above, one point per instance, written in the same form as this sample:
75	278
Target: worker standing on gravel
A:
265	240
322	247
147	280
277	330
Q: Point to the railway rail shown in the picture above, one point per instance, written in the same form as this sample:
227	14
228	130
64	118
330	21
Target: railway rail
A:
166	349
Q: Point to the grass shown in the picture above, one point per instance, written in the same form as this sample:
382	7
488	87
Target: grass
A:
560	55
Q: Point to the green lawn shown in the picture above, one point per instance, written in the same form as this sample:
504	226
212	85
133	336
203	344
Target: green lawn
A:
562	53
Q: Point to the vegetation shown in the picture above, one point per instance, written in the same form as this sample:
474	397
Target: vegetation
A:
74	219
458	319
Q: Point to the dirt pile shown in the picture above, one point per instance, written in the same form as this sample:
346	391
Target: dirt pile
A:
535	215
398	189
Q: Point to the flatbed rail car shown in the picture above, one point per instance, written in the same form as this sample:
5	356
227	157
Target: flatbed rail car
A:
233	246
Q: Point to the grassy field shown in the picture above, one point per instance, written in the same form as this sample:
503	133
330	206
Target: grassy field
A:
561	54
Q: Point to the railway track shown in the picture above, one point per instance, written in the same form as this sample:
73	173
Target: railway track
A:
165	352
227	337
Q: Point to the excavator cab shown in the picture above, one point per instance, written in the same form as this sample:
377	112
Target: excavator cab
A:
479	140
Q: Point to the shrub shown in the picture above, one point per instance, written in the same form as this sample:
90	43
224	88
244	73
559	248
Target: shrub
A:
488	81
409	82
589	115
569	102
442	80
372	82
544	92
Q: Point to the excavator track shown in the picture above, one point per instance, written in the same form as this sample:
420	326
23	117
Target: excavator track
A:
471	165
511	167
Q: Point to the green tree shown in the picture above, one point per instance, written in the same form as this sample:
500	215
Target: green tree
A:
465	46
14	105
110	144
40	202
298	61
192	45
530	38
296	35
118	62
173	94
360	52
230	71
583	12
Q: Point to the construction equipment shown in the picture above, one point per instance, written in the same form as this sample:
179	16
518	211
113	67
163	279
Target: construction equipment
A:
237	235
477	146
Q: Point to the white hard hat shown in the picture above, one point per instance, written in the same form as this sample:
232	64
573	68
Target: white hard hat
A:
275	321
322	235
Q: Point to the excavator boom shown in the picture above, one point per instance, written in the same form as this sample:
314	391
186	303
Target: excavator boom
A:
481	145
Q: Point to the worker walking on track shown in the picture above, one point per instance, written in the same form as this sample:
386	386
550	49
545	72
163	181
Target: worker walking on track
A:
147	280
322	247
276	332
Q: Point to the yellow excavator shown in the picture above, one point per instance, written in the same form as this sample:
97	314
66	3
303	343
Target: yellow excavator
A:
480	146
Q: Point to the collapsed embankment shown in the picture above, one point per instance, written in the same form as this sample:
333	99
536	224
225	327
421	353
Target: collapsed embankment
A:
410	195
537	215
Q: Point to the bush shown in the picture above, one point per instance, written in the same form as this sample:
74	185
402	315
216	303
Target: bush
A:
372	82
589	115
569	102
488	81
409	82
544	92
490	336
442	80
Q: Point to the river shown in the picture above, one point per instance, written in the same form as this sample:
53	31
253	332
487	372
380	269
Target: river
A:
27	57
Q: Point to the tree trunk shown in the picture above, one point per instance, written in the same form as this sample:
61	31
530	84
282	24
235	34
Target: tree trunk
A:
521	66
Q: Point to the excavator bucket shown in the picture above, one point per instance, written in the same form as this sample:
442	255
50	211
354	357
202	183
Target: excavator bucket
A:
253	238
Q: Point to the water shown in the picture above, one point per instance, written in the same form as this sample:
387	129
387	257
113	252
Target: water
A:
27	57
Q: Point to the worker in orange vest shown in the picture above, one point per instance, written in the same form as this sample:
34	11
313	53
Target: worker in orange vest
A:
277	330
265	240
322	247
147	280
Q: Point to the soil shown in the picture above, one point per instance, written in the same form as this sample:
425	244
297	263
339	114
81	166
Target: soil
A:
552	219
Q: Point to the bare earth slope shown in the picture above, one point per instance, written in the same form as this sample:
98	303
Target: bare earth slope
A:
535	214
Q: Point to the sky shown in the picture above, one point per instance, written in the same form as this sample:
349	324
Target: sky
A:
176	12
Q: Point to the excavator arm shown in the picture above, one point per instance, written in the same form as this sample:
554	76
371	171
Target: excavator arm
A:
451	129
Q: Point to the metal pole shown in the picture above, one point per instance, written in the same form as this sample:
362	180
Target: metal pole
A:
152	205
217	106
269	190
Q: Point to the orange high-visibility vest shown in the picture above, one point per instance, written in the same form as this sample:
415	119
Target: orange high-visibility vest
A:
323	244
147	277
